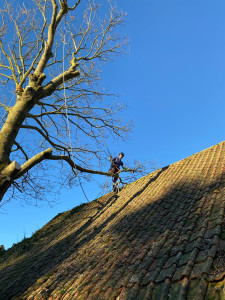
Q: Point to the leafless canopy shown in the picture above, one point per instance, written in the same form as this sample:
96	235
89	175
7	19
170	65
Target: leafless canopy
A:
51	53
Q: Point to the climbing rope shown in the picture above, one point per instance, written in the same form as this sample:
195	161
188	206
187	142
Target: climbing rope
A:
68	124
95	120
97	126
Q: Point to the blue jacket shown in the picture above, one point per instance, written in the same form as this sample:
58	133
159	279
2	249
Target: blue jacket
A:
117	161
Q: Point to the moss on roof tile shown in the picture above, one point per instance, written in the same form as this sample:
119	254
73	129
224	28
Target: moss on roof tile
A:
162	237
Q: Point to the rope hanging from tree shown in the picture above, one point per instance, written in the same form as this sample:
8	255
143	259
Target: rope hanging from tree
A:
68	124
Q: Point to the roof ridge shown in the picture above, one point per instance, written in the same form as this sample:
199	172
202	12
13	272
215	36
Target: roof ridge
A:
197	153
174	163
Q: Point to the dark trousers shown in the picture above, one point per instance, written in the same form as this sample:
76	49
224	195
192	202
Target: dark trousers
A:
114	169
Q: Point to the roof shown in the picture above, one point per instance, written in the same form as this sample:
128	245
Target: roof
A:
160	237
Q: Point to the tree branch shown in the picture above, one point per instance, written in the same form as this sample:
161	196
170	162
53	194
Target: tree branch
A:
45	136
10	63
21	149
33	161
47	154
48	45
72	8
57	81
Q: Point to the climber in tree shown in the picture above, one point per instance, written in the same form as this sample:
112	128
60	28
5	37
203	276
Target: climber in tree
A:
116	163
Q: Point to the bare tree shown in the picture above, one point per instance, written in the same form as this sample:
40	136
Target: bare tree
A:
51	54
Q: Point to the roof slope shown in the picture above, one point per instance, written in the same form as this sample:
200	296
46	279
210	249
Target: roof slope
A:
161	237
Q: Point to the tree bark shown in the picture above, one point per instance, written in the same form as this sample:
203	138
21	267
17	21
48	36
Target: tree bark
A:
12	125
8	134
7	174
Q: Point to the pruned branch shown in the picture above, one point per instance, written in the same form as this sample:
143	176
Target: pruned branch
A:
47	154
33	161
55	62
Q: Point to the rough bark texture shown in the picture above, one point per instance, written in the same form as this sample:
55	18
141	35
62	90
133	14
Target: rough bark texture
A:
7	175
16	116
12	125
37	47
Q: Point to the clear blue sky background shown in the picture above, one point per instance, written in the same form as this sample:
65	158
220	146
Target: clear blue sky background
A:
173	80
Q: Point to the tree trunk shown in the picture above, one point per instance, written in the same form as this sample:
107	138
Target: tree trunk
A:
16	116
8	134
12	125
7	172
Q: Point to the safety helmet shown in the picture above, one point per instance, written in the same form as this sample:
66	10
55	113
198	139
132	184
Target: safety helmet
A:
122	153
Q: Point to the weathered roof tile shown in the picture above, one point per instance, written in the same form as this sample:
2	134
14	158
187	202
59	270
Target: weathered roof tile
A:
167	273
197	288
201	268
161	237
179	289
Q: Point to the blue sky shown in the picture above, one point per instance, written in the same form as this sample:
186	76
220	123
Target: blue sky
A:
173	81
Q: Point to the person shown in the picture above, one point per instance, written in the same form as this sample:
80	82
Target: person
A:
116	163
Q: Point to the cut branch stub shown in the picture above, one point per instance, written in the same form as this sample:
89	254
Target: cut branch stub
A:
48	51
8	172
6	176
11	169
19	90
